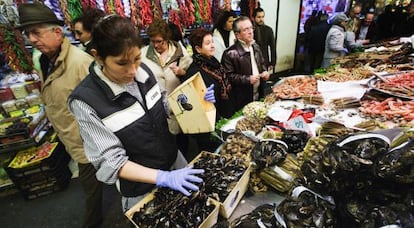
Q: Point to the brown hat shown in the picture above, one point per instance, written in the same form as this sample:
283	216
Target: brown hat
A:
36	13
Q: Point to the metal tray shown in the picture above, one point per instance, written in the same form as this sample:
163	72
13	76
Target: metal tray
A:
283	80
373	82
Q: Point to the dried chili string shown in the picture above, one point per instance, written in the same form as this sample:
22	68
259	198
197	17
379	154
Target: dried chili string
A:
12	46
119	8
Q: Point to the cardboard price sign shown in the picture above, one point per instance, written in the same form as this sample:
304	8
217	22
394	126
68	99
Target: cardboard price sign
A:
298	123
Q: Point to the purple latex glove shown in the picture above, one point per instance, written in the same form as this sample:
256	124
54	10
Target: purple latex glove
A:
180	180
210	94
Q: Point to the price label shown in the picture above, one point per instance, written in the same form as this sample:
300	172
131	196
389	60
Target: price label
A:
298	123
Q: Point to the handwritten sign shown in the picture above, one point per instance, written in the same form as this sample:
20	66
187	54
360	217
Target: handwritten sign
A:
298	123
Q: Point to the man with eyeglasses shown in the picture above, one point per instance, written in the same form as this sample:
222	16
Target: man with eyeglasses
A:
63	66
245	66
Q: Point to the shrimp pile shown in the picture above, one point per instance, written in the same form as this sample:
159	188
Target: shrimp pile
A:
400	84
296	87
390	109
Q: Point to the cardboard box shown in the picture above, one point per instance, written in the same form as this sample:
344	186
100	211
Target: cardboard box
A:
193	113
209	222
232	200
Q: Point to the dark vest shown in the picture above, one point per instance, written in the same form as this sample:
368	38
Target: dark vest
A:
144	135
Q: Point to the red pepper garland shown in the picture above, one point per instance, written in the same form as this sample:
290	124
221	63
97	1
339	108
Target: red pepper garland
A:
119	9
146	13
175	19
88	4
12	46
141	12
186	12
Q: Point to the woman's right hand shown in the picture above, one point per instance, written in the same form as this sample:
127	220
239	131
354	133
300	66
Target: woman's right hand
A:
180	180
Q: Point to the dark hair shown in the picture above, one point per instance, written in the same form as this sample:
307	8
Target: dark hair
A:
197	36
113	35
159	27
257	10
237	21
89	18
176	32
221	21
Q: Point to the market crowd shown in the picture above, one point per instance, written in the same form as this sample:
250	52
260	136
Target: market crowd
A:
327	38
107	98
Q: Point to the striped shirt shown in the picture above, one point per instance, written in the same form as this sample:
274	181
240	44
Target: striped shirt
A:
102	147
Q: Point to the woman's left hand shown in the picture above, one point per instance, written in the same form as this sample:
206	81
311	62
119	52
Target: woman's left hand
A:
177	70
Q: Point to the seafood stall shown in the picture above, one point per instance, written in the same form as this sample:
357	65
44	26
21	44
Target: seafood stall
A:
333	149
336	150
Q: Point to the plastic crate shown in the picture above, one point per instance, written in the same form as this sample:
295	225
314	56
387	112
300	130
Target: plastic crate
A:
27	138
33	183
57	160
45	189
44	177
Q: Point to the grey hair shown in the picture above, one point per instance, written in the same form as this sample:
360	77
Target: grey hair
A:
237	21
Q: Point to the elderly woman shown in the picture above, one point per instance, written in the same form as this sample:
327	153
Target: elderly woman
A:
223	33
334	42
167	59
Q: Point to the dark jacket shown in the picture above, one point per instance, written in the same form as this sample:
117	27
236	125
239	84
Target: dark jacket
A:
238	67
266	40
141	138
316	37
223	107
371	33
406	27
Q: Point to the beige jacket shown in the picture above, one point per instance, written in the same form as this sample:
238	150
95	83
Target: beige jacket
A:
166	78
164	75
71	66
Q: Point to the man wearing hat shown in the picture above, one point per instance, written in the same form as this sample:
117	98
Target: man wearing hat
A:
334	42
63	66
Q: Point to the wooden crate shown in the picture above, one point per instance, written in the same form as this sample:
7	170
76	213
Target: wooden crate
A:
193	113
209	222
232	200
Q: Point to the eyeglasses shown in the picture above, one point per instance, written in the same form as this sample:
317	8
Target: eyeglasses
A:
247	29
36	32
155	42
